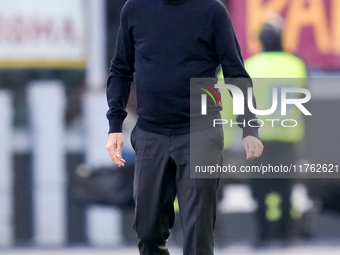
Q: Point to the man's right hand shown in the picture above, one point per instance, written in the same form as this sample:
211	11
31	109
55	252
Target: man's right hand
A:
253	147
114	146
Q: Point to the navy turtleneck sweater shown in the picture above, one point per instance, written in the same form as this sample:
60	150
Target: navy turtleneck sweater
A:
161	44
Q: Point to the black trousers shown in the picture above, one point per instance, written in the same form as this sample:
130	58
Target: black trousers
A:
162	171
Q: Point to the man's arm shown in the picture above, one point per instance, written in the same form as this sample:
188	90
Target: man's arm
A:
229	54
118	87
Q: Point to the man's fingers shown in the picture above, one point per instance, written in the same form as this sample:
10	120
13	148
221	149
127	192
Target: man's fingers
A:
120	160
251	151
119	149
247	149
253	147
115	146
113	155
117	158
254	152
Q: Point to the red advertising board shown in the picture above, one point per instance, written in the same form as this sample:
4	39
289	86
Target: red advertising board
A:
42	33
312	29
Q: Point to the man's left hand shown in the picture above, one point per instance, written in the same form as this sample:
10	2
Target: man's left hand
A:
252	146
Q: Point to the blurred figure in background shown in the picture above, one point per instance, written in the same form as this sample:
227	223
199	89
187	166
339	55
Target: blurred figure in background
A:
275	213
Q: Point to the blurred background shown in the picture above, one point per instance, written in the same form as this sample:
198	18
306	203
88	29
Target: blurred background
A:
58	186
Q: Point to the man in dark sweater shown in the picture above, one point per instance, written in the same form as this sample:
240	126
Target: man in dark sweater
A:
161	45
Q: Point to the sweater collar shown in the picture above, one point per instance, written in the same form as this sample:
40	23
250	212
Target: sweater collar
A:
174	1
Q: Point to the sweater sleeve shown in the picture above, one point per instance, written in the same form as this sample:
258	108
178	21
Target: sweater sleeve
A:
229	54
121	74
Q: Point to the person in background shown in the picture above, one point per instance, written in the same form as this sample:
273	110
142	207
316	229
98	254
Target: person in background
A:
276	68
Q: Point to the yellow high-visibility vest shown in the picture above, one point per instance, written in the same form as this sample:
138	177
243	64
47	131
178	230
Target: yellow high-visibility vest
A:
277	69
